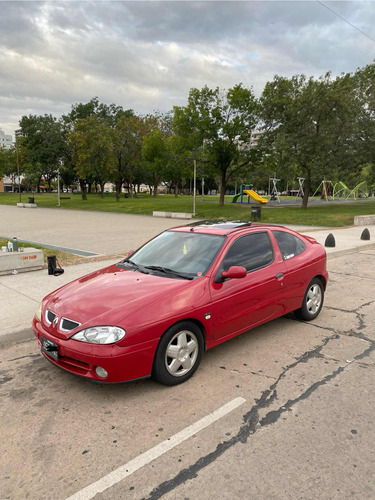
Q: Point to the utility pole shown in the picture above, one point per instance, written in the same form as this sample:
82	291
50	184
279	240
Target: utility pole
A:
18	172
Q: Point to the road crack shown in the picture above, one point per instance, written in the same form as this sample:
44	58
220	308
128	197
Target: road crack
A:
251	420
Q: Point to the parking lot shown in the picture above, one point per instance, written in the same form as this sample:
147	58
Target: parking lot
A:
283	411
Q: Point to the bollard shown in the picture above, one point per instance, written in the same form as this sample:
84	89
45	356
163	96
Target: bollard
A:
365	234
51	259
330	241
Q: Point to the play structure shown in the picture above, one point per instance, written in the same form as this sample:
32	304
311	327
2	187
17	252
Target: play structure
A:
327	190
274	193
339	189
250	193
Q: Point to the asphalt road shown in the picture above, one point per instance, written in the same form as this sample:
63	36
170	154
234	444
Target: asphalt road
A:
300	422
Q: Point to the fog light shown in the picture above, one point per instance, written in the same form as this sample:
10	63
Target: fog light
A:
101	372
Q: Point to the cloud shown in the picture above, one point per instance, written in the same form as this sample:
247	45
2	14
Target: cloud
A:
147	55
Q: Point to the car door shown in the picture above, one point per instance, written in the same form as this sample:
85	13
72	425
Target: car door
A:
239	304
297	276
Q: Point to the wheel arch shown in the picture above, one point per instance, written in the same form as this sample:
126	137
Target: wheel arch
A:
198	323
322	279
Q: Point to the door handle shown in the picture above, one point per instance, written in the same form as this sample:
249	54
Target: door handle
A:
279	276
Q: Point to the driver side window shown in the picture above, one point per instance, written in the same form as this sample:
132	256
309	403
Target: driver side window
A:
252	252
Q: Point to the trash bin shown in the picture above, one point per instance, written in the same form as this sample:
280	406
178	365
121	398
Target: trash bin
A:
31	199
51	259
255	213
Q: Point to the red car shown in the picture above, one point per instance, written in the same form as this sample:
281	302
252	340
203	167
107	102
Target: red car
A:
183	292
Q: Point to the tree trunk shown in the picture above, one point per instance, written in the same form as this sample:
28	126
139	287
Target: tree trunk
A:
176	190
82	184
118	190
155	193
306	190
102	189
222	187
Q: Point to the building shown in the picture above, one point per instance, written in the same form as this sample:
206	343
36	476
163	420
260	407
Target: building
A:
6	141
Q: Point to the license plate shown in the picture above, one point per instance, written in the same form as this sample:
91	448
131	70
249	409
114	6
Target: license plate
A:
50	348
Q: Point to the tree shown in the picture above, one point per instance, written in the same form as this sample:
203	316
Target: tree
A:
42	145
219	122
365	81
311	124
155	155
8	164
92	146
109	114
127	147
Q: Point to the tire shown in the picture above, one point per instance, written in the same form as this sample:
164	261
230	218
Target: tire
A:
178	354
312	301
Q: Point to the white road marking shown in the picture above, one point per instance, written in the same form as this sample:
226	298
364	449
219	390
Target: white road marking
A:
126	470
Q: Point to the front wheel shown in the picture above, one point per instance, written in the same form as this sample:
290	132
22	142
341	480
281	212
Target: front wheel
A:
312	301
179	354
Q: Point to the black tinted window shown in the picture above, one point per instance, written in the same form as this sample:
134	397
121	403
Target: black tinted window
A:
289	245
252	251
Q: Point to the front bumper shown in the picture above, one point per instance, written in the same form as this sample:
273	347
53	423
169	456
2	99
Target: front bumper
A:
121	363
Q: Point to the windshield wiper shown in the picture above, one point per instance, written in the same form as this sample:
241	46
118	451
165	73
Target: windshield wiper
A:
166	270
133	265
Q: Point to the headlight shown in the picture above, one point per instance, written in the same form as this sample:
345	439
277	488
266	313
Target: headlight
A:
38	313
100	335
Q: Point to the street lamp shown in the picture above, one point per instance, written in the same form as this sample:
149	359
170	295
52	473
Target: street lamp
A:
18	172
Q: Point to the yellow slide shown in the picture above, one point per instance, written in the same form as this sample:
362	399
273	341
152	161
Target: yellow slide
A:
255	196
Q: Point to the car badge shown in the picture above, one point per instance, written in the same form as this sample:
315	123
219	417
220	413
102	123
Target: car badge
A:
55	321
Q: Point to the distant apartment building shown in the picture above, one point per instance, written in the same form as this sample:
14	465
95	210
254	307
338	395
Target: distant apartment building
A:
255	136
253	141
18	133
6	141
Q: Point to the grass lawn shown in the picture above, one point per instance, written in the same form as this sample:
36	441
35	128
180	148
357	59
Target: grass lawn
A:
332	214
63	257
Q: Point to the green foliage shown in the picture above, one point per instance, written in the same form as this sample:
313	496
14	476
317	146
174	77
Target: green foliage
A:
127	149
311	124
92	146
42	145
314	128
218	122
155	154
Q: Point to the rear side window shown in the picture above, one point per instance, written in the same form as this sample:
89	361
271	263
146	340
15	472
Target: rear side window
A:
289	245
252	251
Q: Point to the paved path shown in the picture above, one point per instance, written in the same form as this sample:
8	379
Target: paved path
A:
97	232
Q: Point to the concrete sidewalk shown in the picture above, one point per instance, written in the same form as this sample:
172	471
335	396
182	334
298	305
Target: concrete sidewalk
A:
20	294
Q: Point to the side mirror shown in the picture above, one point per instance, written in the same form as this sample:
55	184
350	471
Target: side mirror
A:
234	272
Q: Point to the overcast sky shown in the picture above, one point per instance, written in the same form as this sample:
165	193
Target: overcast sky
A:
147	55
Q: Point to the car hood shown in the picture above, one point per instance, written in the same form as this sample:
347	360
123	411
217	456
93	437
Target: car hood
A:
107	297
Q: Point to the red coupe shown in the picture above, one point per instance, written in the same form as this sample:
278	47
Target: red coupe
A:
186	290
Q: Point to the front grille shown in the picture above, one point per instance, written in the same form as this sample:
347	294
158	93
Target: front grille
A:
49	316
67	325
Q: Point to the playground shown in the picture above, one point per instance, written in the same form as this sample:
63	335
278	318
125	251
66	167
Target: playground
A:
327	192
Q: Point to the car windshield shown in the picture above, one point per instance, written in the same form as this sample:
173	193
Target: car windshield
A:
176	254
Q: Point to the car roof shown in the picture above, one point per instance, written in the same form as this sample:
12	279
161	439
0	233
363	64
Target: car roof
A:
220	226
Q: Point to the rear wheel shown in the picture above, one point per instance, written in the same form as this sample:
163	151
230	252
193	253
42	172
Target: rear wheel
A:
179	354
312	301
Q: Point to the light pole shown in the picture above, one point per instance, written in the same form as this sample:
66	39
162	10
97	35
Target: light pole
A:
18	172
58	187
